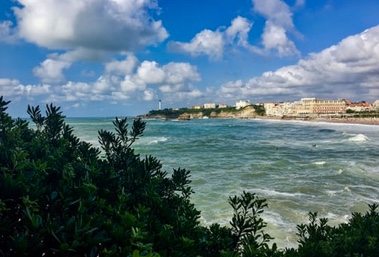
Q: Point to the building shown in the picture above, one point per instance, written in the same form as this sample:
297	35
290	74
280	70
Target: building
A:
222	106
242	103
270	108
209	105
281	109
197	107
375	105
319	106
359	107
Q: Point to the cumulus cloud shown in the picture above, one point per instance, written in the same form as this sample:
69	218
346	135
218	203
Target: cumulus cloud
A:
212	43
51	69
105	25
348	69
131	84
13	87
122	67
274	38
180	72
172	81
239	29
276	11
206	42
131	79
150	73
278	22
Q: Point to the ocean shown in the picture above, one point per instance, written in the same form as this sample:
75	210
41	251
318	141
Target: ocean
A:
329	168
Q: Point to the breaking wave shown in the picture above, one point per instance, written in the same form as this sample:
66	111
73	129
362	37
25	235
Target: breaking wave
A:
359	138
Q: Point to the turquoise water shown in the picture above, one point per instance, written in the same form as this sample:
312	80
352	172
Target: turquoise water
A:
297	166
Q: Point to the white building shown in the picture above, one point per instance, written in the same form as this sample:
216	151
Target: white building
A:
209	105
242	103
197	107
375	105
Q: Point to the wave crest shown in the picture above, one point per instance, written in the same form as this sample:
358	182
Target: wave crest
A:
359	138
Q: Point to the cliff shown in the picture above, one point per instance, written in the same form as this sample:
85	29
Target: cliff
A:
245	113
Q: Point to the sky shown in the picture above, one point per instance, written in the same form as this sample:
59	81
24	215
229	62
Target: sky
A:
120	57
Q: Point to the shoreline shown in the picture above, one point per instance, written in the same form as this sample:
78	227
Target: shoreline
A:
346	120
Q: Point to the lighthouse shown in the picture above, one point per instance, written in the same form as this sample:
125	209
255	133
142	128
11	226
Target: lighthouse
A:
160	105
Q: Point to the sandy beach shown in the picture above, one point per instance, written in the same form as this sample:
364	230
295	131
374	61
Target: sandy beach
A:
347	120
366	121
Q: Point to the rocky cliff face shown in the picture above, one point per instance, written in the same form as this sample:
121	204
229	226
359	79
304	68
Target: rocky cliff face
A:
245	113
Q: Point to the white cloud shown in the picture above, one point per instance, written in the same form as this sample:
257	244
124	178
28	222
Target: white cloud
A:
276	11
103	85
10	87
180	72
13	87
36	90
132	83
125	80
274	37
279	22
213	43
123	67
239	29
232	89
51	69
206	42
150	73
105	25
149	95
346	70
7	33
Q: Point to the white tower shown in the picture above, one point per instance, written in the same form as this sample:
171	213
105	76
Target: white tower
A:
160	105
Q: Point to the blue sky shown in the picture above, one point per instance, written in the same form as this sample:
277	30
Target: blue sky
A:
119	57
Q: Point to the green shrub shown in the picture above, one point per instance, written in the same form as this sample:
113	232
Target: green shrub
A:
358	237
60	196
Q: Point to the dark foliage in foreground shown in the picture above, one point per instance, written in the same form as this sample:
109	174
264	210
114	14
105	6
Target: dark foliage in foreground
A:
60	196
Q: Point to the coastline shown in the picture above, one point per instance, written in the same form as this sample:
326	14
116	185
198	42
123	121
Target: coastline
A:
345	120
250	113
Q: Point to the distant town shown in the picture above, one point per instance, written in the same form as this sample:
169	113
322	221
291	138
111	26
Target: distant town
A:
305	107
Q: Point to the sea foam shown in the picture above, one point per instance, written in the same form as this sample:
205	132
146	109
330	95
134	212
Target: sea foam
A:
359	138
156	140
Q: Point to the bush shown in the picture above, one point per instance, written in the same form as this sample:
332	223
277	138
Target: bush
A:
61	196
358	237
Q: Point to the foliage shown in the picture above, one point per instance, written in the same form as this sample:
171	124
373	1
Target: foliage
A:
358	237
247	226
175	113
259	109
60	196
